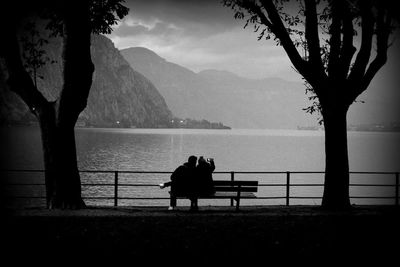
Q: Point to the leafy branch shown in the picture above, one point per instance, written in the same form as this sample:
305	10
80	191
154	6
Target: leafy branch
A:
33	55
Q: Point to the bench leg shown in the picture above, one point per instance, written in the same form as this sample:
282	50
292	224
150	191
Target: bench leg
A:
172	201
237	204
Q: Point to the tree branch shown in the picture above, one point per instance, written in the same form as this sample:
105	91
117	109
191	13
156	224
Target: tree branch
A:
256	9
348	49
364	54
383	31
78	66
335	40
280	32
312	36
19	80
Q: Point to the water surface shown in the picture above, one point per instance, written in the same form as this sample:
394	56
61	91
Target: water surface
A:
233	150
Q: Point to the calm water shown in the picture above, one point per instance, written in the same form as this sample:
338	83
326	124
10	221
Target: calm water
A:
233	150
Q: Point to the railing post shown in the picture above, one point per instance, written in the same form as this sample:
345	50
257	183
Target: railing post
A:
115	188
232	179
397	189
287	188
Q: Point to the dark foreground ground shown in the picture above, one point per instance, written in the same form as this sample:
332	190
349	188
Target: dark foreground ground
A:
261	235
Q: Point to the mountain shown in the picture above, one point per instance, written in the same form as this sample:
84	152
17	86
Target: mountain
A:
120	96
223	96
177	84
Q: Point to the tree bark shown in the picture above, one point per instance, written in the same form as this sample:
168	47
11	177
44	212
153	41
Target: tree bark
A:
77	74
63	189
46	117
336	187
68	184
57	119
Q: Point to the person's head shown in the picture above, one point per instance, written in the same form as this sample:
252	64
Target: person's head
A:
202	160
192	160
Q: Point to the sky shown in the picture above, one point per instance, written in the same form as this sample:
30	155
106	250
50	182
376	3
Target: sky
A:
203	34
200	35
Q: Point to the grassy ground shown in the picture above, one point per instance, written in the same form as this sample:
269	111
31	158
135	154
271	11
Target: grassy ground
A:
212	235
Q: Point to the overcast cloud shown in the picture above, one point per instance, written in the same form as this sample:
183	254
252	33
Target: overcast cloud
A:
200	35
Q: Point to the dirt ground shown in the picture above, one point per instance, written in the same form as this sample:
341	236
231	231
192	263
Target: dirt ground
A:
254	235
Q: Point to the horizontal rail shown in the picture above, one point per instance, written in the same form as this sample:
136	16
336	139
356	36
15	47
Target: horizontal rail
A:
287	176
156	185
221	172
155	198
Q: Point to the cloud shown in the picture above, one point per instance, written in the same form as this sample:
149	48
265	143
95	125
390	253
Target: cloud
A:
204	12
236	50
199	35
132	26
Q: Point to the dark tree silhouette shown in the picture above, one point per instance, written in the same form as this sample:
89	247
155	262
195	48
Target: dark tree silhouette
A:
321	40
74	21
33	54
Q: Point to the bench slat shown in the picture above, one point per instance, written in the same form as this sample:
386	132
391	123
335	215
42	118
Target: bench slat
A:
233	195
235	189
235	183
225	195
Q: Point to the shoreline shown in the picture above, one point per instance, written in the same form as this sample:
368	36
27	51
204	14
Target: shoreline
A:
298	129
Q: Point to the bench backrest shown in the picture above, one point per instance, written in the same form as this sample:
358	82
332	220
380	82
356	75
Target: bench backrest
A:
234	186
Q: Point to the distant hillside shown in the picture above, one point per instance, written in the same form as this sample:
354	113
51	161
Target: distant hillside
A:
223	96
178	85
267	103
119	97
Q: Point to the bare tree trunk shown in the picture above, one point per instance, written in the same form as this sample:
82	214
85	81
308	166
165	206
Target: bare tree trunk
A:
46	117
57	119
68	185
336	187
63	189
77	74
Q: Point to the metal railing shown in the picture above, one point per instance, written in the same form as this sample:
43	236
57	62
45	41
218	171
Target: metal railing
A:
287	185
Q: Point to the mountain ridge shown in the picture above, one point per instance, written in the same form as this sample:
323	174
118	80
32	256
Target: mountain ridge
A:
270	102
220	95
119	97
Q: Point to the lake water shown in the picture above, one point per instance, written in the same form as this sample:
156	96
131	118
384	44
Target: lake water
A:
233	150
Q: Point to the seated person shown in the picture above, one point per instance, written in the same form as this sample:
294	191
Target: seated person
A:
204	179
182	182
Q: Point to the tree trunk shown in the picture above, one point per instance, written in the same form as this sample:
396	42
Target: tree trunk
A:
67	192
57	119
63	188
336	187
46	117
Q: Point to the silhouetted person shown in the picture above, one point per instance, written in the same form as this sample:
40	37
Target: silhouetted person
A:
204	170
182	182
204	180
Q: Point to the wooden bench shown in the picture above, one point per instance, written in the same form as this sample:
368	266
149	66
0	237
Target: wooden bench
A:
234	190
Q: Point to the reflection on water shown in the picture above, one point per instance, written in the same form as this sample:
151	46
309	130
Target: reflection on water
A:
146	149
233	150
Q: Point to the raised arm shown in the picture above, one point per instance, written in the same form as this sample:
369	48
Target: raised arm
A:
212	165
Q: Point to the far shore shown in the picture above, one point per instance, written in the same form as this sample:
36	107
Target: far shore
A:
314	130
